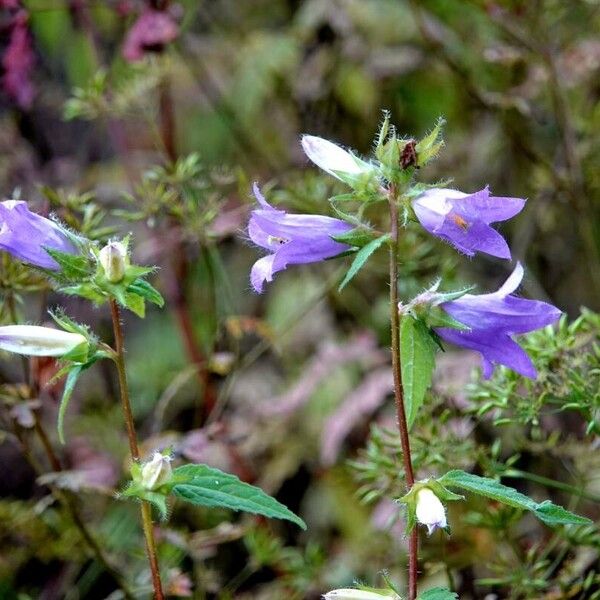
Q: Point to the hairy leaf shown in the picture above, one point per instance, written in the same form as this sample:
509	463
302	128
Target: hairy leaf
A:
417	351
206	486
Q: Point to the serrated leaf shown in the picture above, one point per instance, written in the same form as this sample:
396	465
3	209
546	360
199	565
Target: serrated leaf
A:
142	288
72	378
438	593
484	486
546	511
206	486
552	514
361	258
417	354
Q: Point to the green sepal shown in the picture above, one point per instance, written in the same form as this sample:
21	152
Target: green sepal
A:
86	290
429	147
72	266
156	498
358	237
437	317
142	288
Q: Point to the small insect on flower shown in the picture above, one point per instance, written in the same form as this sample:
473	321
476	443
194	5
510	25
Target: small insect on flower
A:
464	220
430	511
291	239
33	340
25	235
492	320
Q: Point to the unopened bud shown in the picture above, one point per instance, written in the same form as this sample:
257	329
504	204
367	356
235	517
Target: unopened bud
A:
33	340
333	159
156	471
352	594
113	258
430	511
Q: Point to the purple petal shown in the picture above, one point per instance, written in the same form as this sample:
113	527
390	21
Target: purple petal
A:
261	199
262	271
474	236
488	208
25	235
510	314
495	347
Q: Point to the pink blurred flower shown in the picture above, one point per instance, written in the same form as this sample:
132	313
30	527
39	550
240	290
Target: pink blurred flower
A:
18	62
153	30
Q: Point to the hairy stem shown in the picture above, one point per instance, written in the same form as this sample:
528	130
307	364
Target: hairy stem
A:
413	543
133	447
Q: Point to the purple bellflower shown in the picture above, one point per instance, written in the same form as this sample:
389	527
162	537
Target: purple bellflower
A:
25	235
493	319
290	239
464	219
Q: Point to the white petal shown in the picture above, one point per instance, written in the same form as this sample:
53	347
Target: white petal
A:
33	340
513	282
330	157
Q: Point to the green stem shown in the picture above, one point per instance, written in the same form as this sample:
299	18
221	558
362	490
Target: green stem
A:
413	544
133	447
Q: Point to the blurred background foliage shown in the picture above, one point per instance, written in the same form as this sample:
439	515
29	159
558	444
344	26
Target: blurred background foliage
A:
291	390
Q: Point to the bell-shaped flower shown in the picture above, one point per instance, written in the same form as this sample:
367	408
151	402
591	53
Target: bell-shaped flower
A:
430	511
25	235
291	239
464	220
493	319
334	160
33	340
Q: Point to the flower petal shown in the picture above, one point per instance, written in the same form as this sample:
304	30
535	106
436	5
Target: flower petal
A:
489	208
474	236
262	270
495	346
329	156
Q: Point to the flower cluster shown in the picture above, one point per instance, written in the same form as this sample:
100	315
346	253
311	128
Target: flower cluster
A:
485	323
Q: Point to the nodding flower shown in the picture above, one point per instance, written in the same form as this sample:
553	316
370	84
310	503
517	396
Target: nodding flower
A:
290	239
26	235
464	220
492	320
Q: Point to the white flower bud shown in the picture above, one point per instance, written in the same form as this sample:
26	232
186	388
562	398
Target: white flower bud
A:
39	341
331	158
156	471
113	258
430	510
352	594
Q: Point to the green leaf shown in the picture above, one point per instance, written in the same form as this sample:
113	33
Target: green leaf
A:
552	514
361	258
206	486
438	593
417	351
72	378
546	511
142	288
